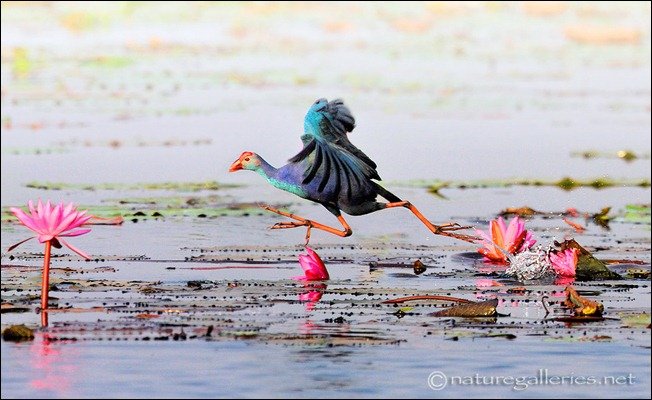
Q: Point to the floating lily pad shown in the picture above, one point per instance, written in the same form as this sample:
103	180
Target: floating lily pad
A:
474	310
18	333
169	186
588	267
638	213
625	155
566	183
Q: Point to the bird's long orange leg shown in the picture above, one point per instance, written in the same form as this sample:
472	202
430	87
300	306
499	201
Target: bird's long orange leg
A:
444	230
309	224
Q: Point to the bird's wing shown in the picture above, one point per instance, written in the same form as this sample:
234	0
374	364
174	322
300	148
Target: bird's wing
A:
327	153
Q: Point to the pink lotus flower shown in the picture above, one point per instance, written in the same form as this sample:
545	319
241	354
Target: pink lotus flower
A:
313	267
501	239
565	262
51	223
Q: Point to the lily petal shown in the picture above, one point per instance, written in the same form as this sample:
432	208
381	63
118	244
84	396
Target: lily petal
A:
24	219
13	246
76	250
75	233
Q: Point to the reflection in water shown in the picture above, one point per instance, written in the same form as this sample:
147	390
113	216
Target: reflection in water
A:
308	327
313	295
52	366
564	280
482	283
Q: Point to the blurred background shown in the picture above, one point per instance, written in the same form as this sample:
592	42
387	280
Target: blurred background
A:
174	91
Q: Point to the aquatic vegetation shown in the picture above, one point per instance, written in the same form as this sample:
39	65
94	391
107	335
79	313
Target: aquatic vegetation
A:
51	224
156	208
565	183
588	268
18	333
502	238
171	186
625	155
136	84
571	262
313	267
472	310
22	64
581	305
638	214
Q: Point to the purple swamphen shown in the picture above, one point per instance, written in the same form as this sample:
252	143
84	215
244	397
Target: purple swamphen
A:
331	171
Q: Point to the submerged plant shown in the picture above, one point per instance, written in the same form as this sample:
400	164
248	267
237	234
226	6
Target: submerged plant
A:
502	238
51	223
313	267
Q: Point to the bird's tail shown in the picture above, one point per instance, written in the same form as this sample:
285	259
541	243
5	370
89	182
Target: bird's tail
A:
389	196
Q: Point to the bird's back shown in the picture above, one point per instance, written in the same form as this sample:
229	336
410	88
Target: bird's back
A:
332	171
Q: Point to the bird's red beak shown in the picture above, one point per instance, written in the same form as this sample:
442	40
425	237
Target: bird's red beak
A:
236	166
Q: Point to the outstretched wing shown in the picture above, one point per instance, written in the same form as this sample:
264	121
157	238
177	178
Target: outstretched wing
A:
328	156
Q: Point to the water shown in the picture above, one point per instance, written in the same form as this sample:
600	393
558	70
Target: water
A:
139	93
236	369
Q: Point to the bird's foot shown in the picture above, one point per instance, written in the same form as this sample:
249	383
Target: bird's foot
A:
449	230
450	227
292	224
283	213
444	230
288	225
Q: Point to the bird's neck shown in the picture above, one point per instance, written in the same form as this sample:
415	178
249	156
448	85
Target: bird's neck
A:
266	170
280	178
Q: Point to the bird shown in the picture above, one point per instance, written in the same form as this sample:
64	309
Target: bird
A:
331	171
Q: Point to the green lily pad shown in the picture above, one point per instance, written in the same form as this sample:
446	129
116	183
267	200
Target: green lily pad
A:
18	333
638	214
588	267
566	183
171	186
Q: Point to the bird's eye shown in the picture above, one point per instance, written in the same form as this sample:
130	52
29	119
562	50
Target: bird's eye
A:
247	159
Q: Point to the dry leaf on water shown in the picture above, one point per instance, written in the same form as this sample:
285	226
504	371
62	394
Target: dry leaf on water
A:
582	307
474	310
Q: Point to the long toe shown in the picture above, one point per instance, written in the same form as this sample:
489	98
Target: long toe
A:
453	227
466	238
287	225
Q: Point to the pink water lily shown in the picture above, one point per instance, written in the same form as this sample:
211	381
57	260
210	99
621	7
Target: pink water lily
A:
313	267
502	238
565	262
51	223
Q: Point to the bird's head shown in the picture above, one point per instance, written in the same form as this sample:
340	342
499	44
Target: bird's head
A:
319	105
247	160
315	116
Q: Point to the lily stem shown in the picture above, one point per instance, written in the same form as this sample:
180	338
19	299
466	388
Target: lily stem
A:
45	286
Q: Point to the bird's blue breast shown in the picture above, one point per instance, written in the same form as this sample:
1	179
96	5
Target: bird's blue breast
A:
288	178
